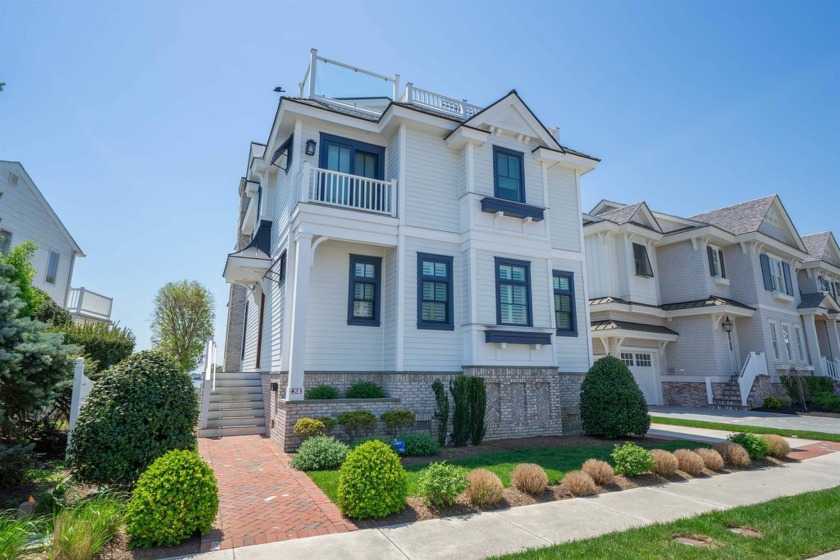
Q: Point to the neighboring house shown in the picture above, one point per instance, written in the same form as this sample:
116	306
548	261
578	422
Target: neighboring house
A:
25	215
407	238
713	308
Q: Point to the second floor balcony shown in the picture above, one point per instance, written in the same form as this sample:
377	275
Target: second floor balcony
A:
343	190
86	305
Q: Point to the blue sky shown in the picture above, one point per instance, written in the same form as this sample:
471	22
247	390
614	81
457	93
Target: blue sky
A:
134	118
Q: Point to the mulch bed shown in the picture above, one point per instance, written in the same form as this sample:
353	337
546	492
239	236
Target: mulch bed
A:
118	549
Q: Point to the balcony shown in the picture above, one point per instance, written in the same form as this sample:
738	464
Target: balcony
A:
86	306
343	190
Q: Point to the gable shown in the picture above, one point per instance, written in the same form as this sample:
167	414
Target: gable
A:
644	217
606	206
778	225
832	251
511	115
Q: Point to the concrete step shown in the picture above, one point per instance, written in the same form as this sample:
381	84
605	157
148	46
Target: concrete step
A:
236	431
238	383
215	418
236	394
236	405
233	375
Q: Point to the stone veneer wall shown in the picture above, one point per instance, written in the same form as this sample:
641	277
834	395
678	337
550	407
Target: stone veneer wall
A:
693	393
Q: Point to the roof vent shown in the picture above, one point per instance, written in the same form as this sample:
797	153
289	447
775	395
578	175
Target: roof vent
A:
13	179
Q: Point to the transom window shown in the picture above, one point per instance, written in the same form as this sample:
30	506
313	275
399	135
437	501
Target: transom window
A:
508	174
564	303
363	308
627	358
717	268
5	241
513	292
52	268
434	292
353	157
642	261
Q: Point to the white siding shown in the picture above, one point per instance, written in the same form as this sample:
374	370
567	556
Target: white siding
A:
572	352
252	324
274	325
564	212
431	175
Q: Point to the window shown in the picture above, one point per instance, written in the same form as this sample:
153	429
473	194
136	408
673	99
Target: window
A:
5	241
564	303
776	275
786	339
513	292
640	256
717	268
508	176
836	291
363	308
800	347
643	360
434	292
353	157
774	338
627	358
52	268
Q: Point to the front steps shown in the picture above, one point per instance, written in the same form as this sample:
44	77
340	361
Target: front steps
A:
731	397
235	407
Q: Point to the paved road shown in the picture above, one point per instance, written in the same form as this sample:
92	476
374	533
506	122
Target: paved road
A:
751	418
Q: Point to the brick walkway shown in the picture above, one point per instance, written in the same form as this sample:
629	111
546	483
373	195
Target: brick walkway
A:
261	498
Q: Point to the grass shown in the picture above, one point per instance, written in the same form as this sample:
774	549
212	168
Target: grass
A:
803	434
16	535
82	531
556	461
800	526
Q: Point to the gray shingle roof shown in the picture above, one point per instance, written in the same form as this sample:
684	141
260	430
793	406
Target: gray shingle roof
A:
816	244
612	325
810	301
621	215
738	218
711	301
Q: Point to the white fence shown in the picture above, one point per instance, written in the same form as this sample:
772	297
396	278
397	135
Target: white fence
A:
831	368
81	389
425	98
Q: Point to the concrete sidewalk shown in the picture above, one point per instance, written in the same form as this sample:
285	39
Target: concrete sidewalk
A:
705	435
750	418
536	526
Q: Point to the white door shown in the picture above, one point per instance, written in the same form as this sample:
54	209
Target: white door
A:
642	364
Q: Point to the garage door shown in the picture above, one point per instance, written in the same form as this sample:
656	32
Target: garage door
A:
641	364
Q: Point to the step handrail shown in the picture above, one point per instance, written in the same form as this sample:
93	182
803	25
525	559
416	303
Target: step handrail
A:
754	365
208	386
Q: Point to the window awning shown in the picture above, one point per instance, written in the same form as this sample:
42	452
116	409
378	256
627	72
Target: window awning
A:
285	149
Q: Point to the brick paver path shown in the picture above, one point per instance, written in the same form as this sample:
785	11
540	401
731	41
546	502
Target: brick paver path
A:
261	498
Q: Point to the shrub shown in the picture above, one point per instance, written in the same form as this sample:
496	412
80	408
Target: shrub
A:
105	343
478	408
484	487
756	446
530	478
711	458
733	454
174	498
579	483
50	312
811	385
600	471
365	390
358	423
360	440
611	403
772	403
690	462
440	484
397	421
145	407
777	446
827	401
420	445
664	462
329	423
320	453
372	482
309	427
461	411
630	459
82	531
324	392
14	461
441	411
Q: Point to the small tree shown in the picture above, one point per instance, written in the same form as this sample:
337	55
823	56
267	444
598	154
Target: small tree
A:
20	272
441	410
50	312
611	403
183	321
459	387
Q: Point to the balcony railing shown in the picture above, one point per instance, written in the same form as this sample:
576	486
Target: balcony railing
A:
438	102
348	191
84	303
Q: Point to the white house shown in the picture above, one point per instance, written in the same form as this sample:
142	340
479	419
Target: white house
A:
403	236
26	215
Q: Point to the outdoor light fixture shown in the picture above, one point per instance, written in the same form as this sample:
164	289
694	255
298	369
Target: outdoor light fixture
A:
727	325
310	147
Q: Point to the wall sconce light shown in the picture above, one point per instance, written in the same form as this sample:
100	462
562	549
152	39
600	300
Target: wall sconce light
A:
310	147
727	325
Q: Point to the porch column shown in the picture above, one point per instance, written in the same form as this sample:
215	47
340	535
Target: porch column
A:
833	339
297	350
813	343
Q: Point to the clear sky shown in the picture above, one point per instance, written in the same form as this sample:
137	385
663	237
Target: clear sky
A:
134	118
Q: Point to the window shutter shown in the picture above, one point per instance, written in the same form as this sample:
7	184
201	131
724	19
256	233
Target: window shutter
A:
788	283
765	271
709	253
722	266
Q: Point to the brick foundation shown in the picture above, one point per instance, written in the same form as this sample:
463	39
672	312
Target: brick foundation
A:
693	393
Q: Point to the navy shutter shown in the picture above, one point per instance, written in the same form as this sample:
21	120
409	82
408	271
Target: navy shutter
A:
765	271
788	283
709	254
722	266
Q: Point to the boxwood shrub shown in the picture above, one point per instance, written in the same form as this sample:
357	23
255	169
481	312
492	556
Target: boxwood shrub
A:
365	390
325	392
630	459
420	445
372	483
397	421
320	453
358	423
611	403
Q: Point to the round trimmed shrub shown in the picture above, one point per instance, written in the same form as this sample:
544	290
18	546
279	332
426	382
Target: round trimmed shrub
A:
664	462
733	454
630	459
777	446
772	403
325	392
358	423
329	423
755	445
529	478
611	403
372	482
440	484
309	427
711	458
689	461
420	445
397	421
600	471
484	487
143	408
319	453
579	483
175	497
365	390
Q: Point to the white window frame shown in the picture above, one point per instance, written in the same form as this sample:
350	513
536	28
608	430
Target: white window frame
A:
777	274
787	340
774	339
11	235
800	344
50	253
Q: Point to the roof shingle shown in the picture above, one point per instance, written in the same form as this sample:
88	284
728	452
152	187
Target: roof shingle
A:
737	219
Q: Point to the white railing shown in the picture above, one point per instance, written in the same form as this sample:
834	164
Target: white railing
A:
422	97
81	389
348	191
209	384
83	302
831	368
754	365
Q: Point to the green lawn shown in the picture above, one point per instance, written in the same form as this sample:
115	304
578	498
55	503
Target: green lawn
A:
747	429
556	461
801	526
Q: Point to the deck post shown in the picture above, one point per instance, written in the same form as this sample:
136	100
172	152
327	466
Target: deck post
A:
297	354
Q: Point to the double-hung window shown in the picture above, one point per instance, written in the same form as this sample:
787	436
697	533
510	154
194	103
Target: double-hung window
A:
777	275
774	338
52	268
508	174
717	268
787	340
5	241
513	292
642	261
800	346
564	303
363	307
434	292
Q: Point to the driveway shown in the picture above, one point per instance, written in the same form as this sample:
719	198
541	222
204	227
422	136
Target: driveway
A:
750	418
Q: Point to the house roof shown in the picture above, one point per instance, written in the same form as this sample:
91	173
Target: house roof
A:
816	244
621	215
711	301
613	299
737	219
612	325
819	300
